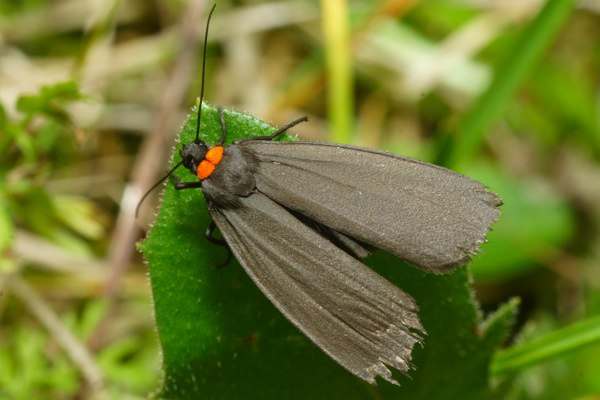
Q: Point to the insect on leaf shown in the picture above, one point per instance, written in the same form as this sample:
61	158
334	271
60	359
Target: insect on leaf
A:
221	338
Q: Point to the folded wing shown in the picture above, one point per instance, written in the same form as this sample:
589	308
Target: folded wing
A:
427	215
357	317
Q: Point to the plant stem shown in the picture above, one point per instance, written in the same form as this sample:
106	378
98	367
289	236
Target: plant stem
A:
339	70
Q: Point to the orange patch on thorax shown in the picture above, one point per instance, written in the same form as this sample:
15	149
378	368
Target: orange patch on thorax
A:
212	158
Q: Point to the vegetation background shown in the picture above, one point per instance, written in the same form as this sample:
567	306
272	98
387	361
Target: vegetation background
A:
94	92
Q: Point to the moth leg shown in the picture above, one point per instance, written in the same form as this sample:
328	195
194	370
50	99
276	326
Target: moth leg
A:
220	242
223	126
188	185
185	185
227	259
209	235
279	131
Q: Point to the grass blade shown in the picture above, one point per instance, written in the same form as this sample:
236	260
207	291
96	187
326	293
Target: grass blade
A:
553	344
508	77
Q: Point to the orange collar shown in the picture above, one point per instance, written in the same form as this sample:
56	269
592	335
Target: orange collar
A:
212	158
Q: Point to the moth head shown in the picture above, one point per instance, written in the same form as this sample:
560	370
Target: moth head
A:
192	155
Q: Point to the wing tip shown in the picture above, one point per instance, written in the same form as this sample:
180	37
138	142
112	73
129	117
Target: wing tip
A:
400	360
379	369
472	247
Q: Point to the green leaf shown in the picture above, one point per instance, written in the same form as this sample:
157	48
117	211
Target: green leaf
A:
126	362
24	142
48	100
79	214
221	338
3	117
26	372
439	18
6	224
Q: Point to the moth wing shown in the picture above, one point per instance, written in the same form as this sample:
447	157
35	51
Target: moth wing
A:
427	215
354	315
348	244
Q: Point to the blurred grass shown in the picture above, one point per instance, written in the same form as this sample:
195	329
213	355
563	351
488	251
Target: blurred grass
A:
509	75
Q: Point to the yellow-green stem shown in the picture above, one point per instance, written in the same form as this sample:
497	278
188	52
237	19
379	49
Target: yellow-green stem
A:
339	70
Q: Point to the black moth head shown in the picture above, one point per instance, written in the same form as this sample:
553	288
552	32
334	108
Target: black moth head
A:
192	154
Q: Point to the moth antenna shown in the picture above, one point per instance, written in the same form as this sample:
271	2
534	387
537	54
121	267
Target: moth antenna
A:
161	180
203	72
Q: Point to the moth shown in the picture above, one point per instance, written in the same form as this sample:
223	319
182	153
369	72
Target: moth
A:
299	217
